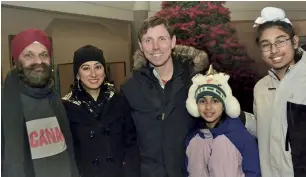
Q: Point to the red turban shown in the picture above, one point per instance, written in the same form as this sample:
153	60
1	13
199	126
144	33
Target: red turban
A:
26	38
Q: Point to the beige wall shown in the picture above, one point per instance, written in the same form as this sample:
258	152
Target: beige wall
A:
72	31
112	10
123	10
68	33
250	10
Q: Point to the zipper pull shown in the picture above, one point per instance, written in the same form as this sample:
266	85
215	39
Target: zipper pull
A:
163	116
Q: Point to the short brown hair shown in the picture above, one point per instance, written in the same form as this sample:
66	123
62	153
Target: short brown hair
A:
152	22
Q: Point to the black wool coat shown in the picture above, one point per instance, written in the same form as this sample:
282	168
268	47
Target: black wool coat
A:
103	133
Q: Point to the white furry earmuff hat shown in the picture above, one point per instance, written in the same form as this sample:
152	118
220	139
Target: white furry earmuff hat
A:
212	84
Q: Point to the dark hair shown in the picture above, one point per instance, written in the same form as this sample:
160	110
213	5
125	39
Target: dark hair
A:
285	27
153	22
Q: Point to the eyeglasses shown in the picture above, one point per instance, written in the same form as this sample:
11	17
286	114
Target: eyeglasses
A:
278	44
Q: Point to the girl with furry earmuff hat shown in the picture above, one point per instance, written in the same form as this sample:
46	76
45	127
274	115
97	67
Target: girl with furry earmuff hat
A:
223	146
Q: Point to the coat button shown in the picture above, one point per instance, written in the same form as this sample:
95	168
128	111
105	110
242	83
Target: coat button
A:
106	132
109	159
95	162
92	134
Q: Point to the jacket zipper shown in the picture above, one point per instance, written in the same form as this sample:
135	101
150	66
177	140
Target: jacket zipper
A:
163	116
287	138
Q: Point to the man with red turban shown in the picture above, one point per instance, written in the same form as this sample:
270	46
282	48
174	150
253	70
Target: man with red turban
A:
36	138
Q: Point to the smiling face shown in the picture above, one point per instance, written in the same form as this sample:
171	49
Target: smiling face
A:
280	55
91	74
210	109
34	66
157	45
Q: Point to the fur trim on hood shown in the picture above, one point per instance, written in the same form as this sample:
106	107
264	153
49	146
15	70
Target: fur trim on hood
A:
198	57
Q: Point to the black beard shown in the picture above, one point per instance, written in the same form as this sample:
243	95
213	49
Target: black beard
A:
36	79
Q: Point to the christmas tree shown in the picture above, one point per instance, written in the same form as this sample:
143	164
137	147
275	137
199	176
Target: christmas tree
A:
205	25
